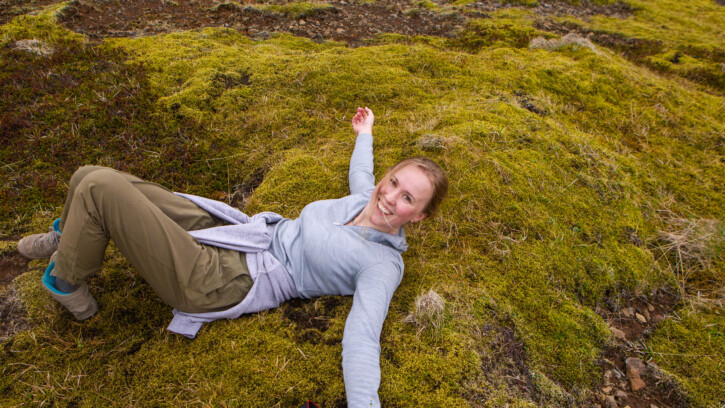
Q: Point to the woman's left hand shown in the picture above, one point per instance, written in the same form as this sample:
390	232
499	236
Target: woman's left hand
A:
363	120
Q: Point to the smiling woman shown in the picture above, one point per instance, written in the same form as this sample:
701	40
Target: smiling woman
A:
210	261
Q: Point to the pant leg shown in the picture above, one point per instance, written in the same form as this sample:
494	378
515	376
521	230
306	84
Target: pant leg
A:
148	224
182	211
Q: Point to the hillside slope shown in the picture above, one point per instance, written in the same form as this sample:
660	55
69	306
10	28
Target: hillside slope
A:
586	169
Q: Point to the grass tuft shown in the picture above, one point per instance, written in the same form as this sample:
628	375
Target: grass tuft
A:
428	313
569	40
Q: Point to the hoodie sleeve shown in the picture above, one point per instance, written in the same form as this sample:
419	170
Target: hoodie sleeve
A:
361	340
361	177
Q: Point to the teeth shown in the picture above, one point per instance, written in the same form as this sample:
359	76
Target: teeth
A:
380	206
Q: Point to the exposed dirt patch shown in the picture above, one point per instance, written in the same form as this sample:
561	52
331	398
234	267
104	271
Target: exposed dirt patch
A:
348	21
528	103
631	323
243	191
660	389
640	315
507	359
312	318
11	265
585	9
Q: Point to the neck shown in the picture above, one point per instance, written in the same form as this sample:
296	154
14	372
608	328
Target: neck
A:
363	220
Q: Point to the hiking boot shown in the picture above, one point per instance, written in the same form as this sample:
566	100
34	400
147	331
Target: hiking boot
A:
38	246
80	302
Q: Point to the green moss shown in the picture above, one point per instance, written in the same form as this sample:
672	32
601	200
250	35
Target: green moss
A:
508	28
662	29
692	347
555	158
295	10
39	27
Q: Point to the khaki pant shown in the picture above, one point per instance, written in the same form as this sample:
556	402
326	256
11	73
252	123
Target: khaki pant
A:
148	224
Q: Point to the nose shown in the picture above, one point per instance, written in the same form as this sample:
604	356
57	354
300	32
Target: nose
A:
389	196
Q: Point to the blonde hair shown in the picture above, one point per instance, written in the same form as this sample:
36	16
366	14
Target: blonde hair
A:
436	175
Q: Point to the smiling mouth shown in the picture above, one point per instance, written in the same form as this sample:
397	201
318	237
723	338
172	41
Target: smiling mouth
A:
382	209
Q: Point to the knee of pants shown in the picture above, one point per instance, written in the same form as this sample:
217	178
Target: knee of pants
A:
101	179
81	174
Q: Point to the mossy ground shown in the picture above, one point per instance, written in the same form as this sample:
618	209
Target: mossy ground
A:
555	160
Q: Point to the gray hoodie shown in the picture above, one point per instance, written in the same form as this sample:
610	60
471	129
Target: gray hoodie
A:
322	256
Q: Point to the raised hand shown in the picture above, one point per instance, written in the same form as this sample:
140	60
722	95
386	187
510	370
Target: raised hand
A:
363	120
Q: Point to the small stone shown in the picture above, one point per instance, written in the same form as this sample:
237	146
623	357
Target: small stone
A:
646	314
607	390
620	395
611	402
340	30
303	22
653	406
608	374
650	307
641	318
626	312
634	368
618	334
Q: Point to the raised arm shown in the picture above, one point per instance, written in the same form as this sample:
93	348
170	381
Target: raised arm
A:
361	177
361	340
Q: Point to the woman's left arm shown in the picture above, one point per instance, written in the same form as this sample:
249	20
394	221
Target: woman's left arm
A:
361	176
361	340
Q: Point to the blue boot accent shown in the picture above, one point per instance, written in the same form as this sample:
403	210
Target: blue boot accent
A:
49	281
56	225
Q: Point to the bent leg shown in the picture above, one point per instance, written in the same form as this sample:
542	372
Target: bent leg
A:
182	211
107	204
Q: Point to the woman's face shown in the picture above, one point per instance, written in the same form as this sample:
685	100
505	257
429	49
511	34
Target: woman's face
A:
400	199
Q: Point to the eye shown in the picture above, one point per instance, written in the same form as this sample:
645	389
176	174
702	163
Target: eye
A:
408	198
394	182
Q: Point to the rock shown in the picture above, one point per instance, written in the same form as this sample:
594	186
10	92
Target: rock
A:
646	314
641	318
607	390
626	312
618	334
620	395
611	402
340	30
608	375
650	307
634	368
653	406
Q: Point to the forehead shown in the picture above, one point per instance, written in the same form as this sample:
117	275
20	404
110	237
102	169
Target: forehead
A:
415	181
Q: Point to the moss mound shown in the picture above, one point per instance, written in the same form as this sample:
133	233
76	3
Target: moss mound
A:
565	165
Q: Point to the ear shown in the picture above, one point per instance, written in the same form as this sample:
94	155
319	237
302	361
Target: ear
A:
419	217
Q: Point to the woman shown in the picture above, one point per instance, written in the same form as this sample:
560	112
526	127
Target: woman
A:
202	256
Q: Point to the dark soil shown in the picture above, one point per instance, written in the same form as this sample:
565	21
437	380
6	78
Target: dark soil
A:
636	317
11	265
660	390
348	21
312	318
